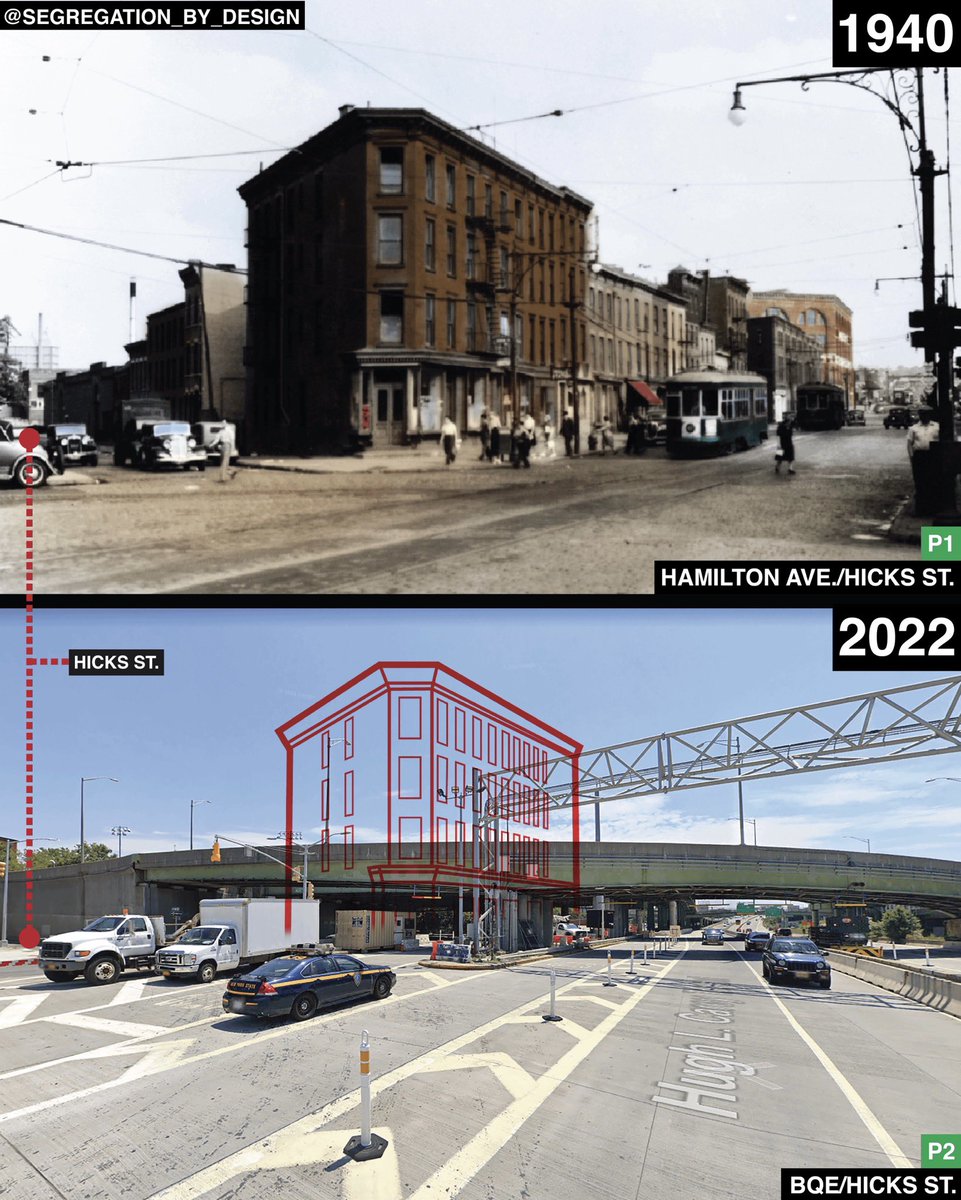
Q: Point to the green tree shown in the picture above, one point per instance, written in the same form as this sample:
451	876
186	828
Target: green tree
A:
61	856
898	924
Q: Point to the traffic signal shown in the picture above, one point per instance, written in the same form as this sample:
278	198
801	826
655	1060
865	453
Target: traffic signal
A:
310	891
3	869
215	852
295	876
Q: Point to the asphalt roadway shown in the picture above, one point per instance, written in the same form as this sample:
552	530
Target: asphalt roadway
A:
690	1079
394	524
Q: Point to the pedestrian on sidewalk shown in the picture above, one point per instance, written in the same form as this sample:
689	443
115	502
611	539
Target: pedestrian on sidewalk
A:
485	435
606	434
227	451
521	448
448	437
567	433
920	438
550	441
494	454
785	437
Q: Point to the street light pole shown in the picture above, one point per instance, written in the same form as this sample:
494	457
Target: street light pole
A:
193	805
118	831
939	336
88	779
852	838
740	794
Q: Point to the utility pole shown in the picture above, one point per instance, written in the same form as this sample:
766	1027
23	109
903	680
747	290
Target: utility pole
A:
575	398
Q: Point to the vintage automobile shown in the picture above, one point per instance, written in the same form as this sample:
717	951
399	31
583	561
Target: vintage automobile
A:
69	444
855	416
152	443
899	417
207	434
14	464
655	426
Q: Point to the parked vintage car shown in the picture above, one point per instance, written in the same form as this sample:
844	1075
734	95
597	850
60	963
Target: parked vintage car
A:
13	460
69	444
150	443
207	434
655	426
855	416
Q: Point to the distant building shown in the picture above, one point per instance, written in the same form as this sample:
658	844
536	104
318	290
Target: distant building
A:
400	271
636	332
786	356
700	341
827	319
92	396
33	378
727	313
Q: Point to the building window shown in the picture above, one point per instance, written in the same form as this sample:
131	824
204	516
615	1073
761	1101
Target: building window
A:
430	244
451	251
519	218
392	318
451	324
533	335
471	256
451	185
430	320
471	325
390	240
540	228
505	211
518	335
504	267
489	201
392	169
550	286
430	177
471	195
531	228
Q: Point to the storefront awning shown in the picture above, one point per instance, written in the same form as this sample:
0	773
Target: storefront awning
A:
646	393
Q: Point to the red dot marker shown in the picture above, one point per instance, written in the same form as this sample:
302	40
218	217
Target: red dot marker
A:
29	439
29	938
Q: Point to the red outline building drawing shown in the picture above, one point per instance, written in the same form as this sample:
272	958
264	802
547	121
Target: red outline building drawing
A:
437	762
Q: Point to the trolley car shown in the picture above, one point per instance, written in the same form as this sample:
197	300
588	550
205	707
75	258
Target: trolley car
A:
715	412
820	406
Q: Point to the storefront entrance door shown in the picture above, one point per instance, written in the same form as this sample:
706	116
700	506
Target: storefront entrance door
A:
390	417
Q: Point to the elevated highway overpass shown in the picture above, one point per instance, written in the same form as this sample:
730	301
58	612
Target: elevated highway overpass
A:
624	872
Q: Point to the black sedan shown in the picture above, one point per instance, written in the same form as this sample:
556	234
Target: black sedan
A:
797	960
297	985
757	939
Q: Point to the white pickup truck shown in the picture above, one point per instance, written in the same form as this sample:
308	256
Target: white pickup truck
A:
102	949
235	933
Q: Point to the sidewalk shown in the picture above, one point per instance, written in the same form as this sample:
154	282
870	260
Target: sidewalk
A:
426	457
906	527
12	954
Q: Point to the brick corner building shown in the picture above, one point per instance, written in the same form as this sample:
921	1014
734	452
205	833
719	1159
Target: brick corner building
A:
402	271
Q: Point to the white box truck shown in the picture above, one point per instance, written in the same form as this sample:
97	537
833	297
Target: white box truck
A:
238	933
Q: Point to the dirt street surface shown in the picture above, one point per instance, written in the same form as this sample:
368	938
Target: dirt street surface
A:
591	525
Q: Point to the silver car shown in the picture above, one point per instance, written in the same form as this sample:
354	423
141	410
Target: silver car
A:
13	460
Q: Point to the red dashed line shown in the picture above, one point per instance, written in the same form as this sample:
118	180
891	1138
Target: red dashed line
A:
29	938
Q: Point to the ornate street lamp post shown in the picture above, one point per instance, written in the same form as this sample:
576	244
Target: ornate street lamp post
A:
902	92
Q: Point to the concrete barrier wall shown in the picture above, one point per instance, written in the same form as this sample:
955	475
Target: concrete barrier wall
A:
915	983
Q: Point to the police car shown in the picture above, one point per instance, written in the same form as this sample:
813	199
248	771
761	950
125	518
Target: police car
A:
296	985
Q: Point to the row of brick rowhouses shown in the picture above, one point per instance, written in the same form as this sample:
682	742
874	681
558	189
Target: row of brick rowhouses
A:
401	271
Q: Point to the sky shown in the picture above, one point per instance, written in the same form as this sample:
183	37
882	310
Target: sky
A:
205	730
813	193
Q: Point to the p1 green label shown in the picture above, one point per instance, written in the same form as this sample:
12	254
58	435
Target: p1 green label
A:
941	542
941	1150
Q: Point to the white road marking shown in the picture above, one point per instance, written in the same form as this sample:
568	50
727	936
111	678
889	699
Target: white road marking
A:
460	1169
16	1011
105	1024
130	992
107	1051
896	1155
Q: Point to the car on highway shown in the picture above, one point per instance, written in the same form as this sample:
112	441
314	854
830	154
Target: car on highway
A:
296	985
795	959
899	417
570	927
757	939
13	460
712	937
784	931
